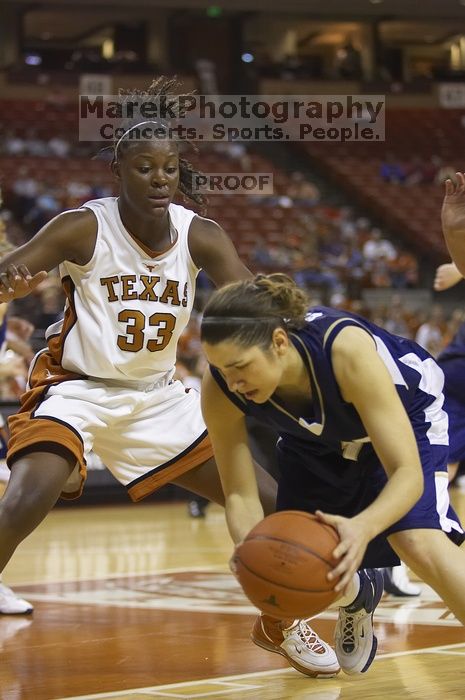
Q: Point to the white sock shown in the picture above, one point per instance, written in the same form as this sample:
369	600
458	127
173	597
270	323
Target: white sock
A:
349	597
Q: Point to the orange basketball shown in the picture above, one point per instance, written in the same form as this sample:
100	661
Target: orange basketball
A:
283	562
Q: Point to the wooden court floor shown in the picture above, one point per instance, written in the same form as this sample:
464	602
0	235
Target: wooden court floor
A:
136	602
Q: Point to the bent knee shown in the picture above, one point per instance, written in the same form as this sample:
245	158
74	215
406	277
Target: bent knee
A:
417	547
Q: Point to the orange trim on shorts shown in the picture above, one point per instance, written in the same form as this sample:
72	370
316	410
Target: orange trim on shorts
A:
198	455
30	433
26	431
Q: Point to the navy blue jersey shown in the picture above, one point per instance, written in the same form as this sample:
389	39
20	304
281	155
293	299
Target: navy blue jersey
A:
3	325
325	458
330	424
456	348
452	362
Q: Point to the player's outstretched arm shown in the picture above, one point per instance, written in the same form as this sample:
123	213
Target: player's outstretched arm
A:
453	220
228	433
365	382
69	236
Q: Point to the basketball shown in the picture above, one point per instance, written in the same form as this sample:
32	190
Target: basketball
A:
283	562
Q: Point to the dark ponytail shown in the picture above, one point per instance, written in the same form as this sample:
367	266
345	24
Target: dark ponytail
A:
248	312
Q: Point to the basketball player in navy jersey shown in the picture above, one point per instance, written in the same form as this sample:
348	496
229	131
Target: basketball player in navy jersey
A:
452	362
104	382
363	441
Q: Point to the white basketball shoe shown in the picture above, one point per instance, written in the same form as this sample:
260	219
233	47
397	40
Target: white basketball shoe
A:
10	604
298	643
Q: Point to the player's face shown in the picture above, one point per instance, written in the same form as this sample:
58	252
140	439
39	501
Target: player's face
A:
253	372
149	175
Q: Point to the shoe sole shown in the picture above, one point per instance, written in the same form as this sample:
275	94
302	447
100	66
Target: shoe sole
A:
23	612
297	666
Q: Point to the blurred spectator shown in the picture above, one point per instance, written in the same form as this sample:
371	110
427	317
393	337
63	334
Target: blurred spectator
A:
395	318
314	273
25	189
378	248
33	145
403	270
391	170
453	324
51	305
77	193
348	63
429	334
18	335
235	151
189	347
46	206
302	191
59	147
13	145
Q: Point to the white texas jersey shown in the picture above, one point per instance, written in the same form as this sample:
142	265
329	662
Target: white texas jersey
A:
127	307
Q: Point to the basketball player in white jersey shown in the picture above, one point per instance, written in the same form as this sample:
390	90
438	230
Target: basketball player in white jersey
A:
105	380
10	603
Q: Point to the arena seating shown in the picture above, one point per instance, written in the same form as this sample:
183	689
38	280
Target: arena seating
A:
410	134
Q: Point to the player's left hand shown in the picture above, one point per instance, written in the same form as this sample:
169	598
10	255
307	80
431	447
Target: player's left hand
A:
350	550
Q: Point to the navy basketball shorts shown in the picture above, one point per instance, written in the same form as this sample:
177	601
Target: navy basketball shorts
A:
326	481
456	412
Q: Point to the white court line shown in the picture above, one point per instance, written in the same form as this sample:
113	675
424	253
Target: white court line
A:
125	574
122	597
184	684
156	689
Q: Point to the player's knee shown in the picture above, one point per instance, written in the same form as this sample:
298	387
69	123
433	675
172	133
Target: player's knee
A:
416	548
10	518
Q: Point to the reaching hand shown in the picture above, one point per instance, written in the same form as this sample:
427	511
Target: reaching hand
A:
350	550
446	276
453	220
16	282
453	206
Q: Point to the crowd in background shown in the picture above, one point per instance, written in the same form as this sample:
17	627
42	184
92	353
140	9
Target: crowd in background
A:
331	250
416	171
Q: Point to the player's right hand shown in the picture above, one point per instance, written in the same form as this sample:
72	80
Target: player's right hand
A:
349	552
16	282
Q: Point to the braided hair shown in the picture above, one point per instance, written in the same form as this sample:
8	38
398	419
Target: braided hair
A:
166	89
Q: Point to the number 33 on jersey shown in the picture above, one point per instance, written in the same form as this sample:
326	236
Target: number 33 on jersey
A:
128	306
